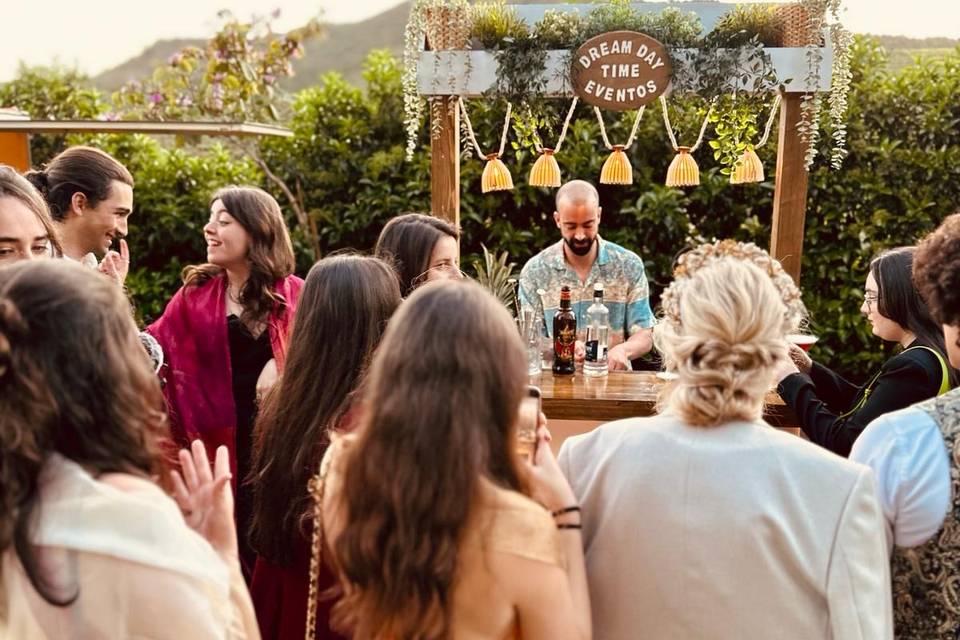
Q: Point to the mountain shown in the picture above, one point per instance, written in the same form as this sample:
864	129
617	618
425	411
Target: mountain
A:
343	49
345	46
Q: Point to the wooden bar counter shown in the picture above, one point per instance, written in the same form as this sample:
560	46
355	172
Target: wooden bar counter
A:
623	394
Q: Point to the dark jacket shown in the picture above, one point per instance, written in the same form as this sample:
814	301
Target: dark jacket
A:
823	401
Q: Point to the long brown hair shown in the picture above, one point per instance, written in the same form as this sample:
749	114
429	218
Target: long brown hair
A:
439	413
74	380
271	252
342	314
407	241
13	185
79	169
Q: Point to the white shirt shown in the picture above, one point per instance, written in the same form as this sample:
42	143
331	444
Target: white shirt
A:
906	451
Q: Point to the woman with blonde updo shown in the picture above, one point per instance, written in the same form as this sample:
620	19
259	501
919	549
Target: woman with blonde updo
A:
731	528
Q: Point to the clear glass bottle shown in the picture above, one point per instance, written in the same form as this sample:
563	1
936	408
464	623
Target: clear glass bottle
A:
598	332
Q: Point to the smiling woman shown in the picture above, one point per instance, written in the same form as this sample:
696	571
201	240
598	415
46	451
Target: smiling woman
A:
832	411
225	332
26	230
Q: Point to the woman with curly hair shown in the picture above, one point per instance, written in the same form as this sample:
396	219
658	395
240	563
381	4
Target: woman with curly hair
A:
735	529
915	453
227	328
431	518
833	411
90	545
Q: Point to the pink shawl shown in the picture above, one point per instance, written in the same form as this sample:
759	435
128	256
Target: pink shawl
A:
199	382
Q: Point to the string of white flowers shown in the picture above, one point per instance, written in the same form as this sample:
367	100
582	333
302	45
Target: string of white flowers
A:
633	131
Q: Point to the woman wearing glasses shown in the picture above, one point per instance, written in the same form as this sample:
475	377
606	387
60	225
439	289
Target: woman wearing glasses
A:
420	248
833	411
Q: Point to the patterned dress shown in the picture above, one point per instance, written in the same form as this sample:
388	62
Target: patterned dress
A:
926	579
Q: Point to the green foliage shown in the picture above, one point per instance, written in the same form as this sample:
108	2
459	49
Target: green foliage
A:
671	26
495	274
559	29
233	77
51	93
739	25
493	21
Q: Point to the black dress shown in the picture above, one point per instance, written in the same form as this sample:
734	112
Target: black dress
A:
248	356
833	411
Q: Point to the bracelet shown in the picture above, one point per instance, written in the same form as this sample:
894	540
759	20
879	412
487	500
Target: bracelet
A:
560	512
564	525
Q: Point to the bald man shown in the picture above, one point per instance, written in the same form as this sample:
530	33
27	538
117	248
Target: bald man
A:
581	259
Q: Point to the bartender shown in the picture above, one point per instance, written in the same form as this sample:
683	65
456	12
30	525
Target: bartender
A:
580	259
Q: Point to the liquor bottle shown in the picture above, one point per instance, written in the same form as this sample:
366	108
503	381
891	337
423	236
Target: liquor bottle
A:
598	330
564	335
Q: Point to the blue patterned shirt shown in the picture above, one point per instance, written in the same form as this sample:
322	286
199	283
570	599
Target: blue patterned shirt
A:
625	290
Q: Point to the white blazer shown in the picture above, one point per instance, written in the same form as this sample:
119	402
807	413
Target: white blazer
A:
733	532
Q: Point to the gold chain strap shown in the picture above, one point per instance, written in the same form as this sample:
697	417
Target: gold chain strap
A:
315	486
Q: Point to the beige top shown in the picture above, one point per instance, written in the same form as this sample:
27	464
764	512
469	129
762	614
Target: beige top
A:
139	570
729	533
506	528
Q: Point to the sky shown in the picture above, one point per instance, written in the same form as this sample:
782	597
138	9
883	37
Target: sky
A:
96	35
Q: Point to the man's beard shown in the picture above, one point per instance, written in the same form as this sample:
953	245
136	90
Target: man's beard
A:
580	249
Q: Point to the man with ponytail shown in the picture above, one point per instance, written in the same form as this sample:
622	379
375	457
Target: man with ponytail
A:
728	527
90	195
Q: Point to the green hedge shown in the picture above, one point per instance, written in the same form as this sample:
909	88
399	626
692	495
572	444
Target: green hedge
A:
901	178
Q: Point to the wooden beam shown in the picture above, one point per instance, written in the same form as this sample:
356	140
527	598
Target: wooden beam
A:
790	192
445	160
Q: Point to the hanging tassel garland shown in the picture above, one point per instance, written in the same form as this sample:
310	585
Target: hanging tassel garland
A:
496	176
748	167
683	171
617	168
546	170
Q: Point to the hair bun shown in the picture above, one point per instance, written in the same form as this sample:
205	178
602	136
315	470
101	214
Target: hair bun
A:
39	180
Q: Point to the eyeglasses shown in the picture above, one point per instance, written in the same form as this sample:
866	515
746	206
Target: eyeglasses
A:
870	297
450	271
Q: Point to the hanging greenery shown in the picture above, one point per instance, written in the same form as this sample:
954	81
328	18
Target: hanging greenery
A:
816	14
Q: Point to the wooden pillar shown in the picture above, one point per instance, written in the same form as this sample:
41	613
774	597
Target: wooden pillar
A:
15	150
790	193
445	160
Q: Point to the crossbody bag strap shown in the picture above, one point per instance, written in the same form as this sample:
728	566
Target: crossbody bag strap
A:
944	371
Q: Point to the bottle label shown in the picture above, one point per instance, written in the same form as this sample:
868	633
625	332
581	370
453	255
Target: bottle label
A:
564	344
592	347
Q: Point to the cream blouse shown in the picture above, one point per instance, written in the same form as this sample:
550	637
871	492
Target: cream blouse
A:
137	569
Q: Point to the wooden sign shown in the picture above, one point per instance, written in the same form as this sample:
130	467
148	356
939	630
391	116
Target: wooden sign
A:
620	70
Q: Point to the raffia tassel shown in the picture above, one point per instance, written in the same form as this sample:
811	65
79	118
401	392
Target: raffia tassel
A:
748	168
545	171
683	171
617	168
496	176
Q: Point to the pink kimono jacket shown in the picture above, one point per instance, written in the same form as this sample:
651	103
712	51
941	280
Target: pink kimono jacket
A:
199	388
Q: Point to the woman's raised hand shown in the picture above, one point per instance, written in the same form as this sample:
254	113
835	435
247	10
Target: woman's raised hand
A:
206	498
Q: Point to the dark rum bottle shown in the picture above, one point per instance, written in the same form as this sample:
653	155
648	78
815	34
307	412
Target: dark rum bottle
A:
564	335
